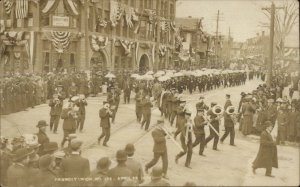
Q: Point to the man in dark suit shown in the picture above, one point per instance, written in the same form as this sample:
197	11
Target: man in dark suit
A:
45	176
113	98
133	164
228	123
214	121
127	91
105	113
75	165
159	149
146	110
186	140
81	113
180	121
121	171
56	108
42	136
199	132
138	104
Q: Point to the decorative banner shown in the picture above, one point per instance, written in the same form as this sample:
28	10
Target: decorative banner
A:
151	14
98	43
101	22
127	45
21	9
50	6
115	12
2	26
60	40
162	50
71	7
8	5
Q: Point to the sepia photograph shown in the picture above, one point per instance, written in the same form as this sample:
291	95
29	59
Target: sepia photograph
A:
149	93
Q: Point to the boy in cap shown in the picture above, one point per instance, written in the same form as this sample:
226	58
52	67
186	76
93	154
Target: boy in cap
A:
201	104
42	136
146	111
132	164
180	117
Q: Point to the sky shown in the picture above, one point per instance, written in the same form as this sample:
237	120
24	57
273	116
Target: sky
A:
244	17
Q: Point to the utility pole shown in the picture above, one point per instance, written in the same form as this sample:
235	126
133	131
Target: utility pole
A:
271	56
217	34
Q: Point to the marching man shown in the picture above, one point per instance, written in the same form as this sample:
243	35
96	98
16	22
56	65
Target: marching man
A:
186	140
105	113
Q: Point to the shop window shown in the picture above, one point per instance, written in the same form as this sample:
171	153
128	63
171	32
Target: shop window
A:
72	60
29	20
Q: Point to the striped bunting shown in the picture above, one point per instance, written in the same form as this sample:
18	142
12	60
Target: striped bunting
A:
7	5
21	9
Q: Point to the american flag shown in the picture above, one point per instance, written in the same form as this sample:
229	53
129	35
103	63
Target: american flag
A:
21	9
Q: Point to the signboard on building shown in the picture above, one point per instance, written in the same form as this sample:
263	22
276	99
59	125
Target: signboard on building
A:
60	21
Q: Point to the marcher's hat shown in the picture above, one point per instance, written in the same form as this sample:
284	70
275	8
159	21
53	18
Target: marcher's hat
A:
200	109
181	100
45	161
103	163
42	123
121	155
213	103
59	154
267	124
270	100
21	153
201	97
74	99
50	146
129	149
188	112
156	172
243	94
76	144
227	95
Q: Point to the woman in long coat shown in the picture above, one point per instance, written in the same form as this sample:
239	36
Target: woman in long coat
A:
267	153
247	122
293	116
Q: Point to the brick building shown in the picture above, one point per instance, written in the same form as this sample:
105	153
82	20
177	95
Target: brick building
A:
43	36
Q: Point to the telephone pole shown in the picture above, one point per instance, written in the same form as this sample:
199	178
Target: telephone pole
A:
271	56
217	33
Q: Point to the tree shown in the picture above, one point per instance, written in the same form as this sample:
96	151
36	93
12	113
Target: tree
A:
285	20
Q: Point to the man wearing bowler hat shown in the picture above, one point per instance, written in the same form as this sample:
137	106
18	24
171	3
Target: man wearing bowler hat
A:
42	136
132	164
17	175
156	178
75	165
101	170
121	171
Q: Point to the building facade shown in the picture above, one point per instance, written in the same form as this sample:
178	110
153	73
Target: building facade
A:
56	35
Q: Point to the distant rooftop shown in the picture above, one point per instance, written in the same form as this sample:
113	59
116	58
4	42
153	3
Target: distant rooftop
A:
187	23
